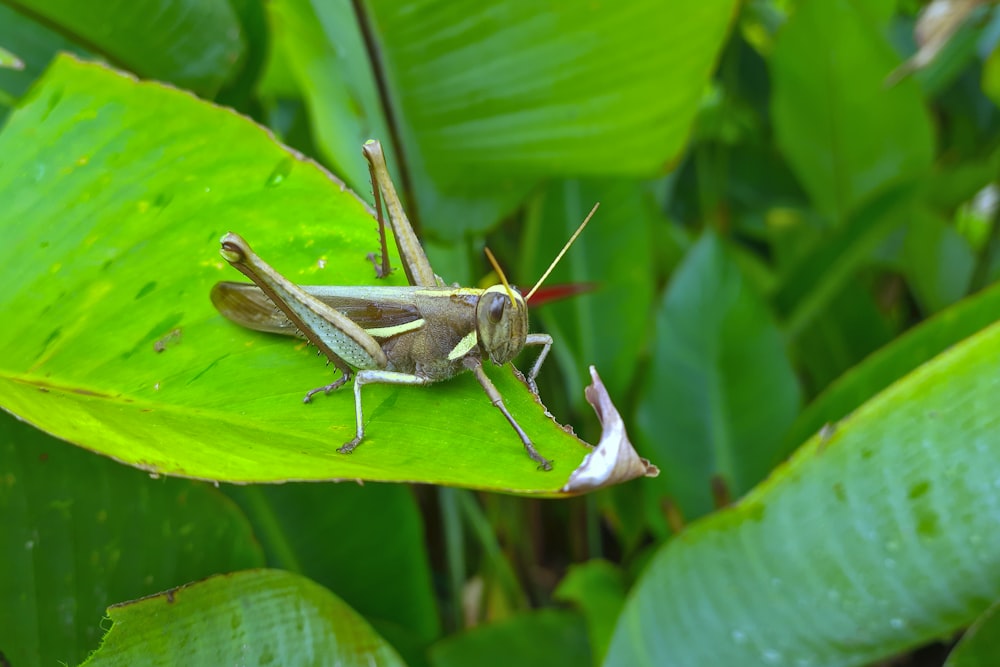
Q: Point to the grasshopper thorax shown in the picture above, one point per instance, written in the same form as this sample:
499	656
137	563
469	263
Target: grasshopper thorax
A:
501	323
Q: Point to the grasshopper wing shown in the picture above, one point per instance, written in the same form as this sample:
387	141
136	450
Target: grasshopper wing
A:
370	307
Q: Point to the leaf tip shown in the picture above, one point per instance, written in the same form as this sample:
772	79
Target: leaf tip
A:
614	460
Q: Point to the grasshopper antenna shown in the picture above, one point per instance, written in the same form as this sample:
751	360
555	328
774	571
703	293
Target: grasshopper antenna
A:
503	278
561	252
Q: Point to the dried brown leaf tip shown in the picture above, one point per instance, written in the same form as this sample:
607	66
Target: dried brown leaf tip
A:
614	459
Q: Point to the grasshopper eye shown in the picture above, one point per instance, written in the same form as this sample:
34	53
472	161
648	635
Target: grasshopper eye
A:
495	310
501	324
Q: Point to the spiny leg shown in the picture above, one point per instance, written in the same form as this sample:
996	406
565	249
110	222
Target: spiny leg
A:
334	334
370	377
476	366
545	341
415	263
379	260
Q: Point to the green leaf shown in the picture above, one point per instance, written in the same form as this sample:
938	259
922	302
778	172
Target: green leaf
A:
851	327
937	261
195	44
327	53
886	523
562	89
324	51
991	76
894	361
81	532
35	44
845	134
346	536
259	616
820	273
560	86
980	646
116	194
879	12
721	391
240	88
558	89
598	589
545	638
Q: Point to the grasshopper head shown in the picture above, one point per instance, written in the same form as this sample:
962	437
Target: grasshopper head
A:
501	323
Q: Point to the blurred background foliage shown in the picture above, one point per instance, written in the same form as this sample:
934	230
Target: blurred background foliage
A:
798	227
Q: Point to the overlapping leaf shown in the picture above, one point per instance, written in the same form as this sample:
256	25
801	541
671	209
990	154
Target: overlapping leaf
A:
559	89
263	616
81	532
196	44
878	535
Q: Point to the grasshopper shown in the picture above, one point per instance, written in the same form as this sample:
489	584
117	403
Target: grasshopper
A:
414	335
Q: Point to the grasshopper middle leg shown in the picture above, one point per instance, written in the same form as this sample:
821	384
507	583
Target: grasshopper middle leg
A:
368	377
327	388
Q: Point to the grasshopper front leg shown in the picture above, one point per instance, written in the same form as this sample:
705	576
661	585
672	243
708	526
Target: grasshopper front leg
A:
472	363
545	341
475	365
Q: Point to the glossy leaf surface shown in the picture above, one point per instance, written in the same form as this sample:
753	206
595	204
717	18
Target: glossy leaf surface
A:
886	522
260	616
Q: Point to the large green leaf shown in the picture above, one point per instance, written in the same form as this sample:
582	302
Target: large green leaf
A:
938	262
557	89
560	86
81	532
844	132
721	390
545	638
196	44
598	588
346	536
325	54
256	616
894	361
878	535
115	196
980	646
